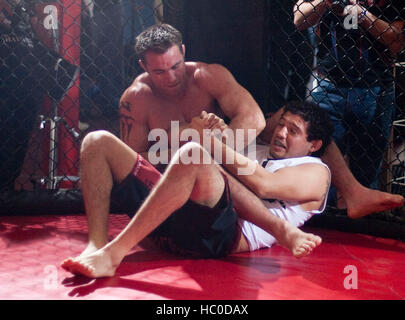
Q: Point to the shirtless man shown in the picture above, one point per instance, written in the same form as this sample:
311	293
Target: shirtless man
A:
169	90
190	209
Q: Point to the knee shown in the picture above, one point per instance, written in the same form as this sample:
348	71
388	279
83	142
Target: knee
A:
192	153
190	147
97	141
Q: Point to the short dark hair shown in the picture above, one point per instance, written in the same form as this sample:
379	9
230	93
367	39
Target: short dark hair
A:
157	38
319	124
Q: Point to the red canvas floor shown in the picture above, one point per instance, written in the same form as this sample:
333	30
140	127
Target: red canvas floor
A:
31	249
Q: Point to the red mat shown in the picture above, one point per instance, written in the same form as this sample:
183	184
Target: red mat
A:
31	249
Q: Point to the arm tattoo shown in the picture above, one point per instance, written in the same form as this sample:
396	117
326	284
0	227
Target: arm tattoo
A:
126	124
125	105
126	121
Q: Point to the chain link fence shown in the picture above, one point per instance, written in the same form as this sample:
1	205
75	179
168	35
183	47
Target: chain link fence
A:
65	64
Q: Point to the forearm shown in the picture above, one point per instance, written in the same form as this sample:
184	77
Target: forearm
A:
271	123
308	14
251	208
244	131
236	164
390	35
281	184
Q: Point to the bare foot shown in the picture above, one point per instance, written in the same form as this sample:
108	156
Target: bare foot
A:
366	201
91	248
95	265
298	242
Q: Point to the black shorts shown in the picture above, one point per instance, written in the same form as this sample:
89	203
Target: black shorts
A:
194	230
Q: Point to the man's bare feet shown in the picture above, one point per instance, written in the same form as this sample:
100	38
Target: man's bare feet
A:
366	201
298	242
91	248
98	264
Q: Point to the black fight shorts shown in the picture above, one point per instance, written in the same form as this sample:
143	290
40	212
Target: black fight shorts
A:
194	230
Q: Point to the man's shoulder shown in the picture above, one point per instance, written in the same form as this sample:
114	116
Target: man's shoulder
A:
311	164
210	76
137	97
307	161
205	69
139	90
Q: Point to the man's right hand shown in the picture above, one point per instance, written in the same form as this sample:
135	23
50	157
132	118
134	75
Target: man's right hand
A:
208	124
212	121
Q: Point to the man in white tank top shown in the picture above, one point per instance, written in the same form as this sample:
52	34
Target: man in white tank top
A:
284	188
290	210
292	184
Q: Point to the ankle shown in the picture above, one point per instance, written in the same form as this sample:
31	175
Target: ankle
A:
285	230
115	252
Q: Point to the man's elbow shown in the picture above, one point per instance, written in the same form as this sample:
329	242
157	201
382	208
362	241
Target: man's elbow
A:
299	23
249	122
263	189
300	20
396	34
259	123
397	46
260	191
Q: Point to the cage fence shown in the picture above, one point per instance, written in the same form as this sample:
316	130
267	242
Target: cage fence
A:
65	64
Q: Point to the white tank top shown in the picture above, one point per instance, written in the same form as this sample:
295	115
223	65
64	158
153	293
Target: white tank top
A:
287	210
